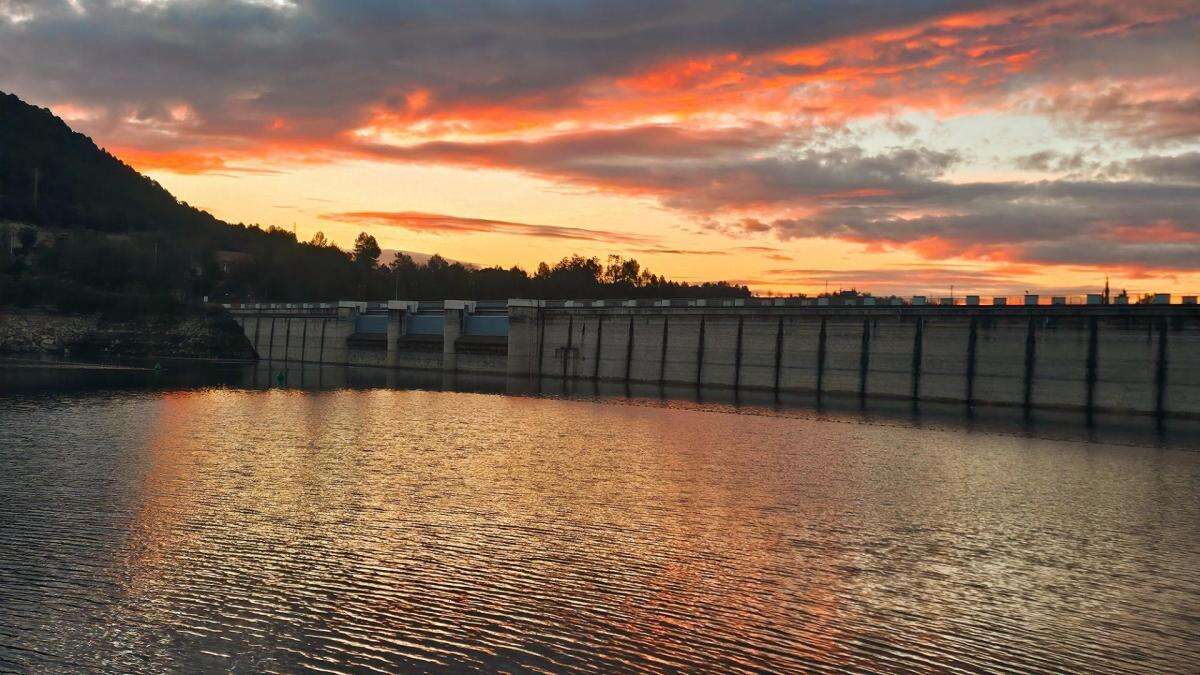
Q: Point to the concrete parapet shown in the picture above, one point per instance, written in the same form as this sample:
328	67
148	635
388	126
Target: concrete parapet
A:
409	306
460	305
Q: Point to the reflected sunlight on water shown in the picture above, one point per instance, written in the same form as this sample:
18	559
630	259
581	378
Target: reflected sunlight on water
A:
350	531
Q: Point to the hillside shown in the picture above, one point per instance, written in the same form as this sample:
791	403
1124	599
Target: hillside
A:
53	176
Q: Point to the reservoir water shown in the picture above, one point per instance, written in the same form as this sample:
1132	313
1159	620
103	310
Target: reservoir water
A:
153	523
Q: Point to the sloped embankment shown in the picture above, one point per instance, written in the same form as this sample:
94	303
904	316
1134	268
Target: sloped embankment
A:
204	335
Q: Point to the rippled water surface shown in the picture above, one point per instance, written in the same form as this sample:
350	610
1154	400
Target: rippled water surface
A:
393	530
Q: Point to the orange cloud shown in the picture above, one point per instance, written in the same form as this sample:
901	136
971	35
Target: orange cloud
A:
180	161
1162	232
438	223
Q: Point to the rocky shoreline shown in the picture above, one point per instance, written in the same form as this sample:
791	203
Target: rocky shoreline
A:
204	334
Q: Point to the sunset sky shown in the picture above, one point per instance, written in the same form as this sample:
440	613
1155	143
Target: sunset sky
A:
893	146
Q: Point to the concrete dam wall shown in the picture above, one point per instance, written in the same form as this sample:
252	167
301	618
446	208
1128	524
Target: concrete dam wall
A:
1121	358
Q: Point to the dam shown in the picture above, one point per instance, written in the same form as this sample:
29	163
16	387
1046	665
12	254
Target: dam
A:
1093	357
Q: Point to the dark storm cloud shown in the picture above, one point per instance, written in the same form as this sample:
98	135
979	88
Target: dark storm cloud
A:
1133	225
1184	167
322	63
1049	160
1098	253
699	172
1171	118
311	70
591	151
1006	211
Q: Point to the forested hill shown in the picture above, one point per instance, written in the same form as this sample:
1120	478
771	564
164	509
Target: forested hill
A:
51	175
82	230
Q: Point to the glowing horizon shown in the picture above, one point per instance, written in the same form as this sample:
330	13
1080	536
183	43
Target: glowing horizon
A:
994	147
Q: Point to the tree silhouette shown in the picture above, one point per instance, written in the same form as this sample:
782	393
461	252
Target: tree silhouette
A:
366	250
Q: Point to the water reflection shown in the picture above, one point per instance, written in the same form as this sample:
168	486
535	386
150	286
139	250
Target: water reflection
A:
1049	424
348	523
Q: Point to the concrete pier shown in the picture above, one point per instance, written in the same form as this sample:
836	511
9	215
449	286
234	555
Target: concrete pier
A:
1123	358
